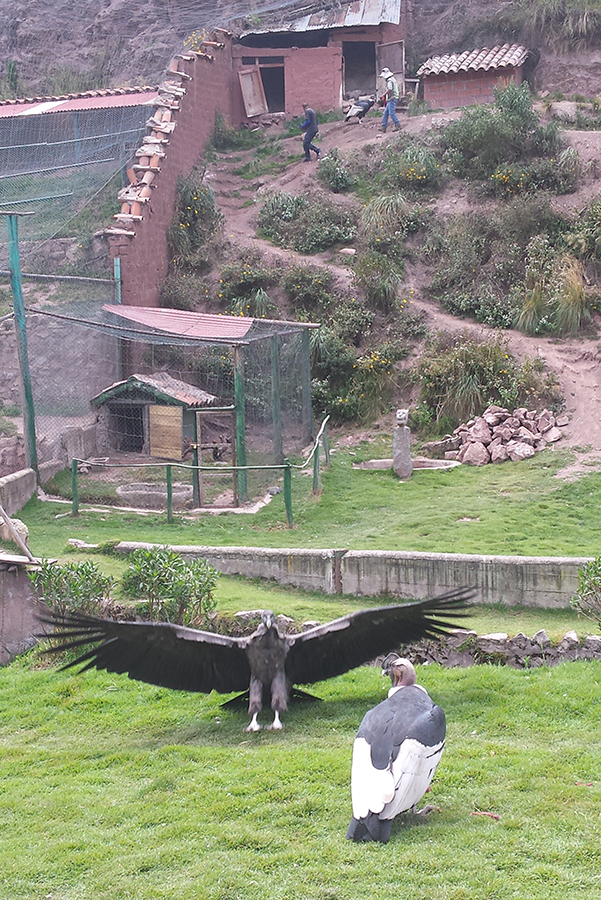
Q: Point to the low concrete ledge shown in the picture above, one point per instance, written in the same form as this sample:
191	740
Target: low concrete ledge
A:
314	570
513	580
16	489
547	582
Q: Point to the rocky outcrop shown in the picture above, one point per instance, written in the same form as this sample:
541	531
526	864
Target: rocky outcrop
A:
466	648
499	435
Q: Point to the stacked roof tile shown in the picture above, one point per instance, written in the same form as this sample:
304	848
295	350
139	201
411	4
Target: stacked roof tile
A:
500	57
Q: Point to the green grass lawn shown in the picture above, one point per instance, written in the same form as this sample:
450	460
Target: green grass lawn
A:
515	509
116	790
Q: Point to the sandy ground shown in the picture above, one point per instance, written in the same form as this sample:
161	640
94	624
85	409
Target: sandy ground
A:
575	361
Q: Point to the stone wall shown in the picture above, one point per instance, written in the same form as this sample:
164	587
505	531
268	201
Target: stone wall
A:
547	582
18	607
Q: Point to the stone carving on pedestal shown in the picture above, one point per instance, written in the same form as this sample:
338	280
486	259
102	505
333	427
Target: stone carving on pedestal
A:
401	450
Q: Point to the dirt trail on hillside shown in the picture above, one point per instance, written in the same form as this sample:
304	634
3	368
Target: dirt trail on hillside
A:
576	361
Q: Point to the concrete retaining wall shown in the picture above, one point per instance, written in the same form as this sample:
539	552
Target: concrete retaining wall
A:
19	605
16	490
548	582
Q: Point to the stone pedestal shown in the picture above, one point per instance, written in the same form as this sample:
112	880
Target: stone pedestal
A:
401	452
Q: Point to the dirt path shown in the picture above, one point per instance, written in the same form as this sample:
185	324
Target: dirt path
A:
576	361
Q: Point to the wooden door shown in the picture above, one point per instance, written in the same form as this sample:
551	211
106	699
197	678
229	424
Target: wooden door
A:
165	431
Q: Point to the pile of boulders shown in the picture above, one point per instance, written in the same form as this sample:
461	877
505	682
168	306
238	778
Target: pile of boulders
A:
498	435
466	648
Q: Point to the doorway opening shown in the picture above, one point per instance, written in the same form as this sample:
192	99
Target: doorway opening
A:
359	68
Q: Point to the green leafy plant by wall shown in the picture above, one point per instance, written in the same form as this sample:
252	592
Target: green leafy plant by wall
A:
240	280
258	305
184	289
72	587
197	219
168	588
587	599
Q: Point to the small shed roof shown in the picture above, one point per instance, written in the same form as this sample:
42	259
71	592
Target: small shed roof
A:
500	57
358	13
159	386
101	99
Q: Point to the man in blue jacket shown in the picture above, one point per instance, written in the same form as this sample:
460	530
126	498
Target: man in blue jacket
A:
310	127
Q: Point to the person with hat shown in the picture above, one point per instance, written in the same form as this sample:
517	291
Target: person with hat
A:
392	95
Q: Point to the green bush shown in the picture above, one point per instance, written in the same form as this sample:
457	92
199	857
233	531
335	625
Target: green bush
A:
242	279
334	172
72	587
352	319
461	379
197	219
379	278
307	226
308	287
258	305
184	290
168	588
587	599
485	304
417	169
226	138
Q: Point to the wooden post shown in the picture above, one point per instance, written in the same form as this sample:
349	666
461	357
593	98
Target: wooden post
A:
19	311
316	470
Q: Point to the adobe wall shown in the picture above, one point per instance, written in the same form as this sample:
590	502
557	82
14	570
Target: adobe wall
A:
144	257
18	607
312	75
466	88
547	582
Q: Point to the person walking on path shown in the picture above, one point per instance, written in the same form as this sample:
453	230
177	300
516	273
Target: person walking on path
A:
392	95
310	127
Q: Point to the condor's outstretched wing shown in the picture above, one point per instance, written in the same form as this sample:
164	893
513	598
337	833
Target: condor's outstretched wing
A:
159	653
352	640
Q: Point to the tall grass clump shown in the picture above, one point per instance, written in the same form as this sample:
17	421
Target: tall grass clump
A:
379	278
461	378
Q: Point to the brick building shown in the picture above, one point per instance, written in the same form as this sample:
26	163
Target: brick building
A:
464	79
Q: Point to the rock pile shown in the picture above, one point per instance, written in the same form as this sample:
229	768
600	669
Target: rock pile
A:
498	435
465	648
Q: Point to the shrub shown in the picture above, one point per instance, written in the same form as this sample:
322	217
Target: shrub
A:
242	279
540	287
483	303
167	588
196	220
334	172
379	278
183	290
352	320
587	599
72	587
308	287
462	379
417	168
258	305
572	310
307	226
226	138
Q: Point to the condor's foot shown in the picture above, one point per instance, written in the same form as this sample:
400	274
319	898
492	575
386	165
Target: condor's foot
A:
276	725
253	725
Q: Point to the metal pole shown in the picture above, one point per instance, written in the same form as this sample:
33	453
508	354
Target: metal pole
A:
74	489
239	402
288	492
276	403
169	494
19	311
305	374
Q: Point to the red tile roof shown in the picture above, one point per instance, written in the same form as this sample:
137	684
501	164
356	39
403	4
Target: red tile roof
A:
503	56
102	99
186	324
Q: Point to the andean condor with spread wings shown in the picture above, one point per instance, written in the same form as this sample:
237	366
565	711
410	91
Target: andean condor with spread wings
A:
266	663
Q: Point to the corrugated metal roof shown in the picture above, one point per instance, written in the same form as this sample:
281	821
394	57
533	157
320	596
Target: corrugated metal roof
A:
500	57
186	324
360	12
161	386
104	99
